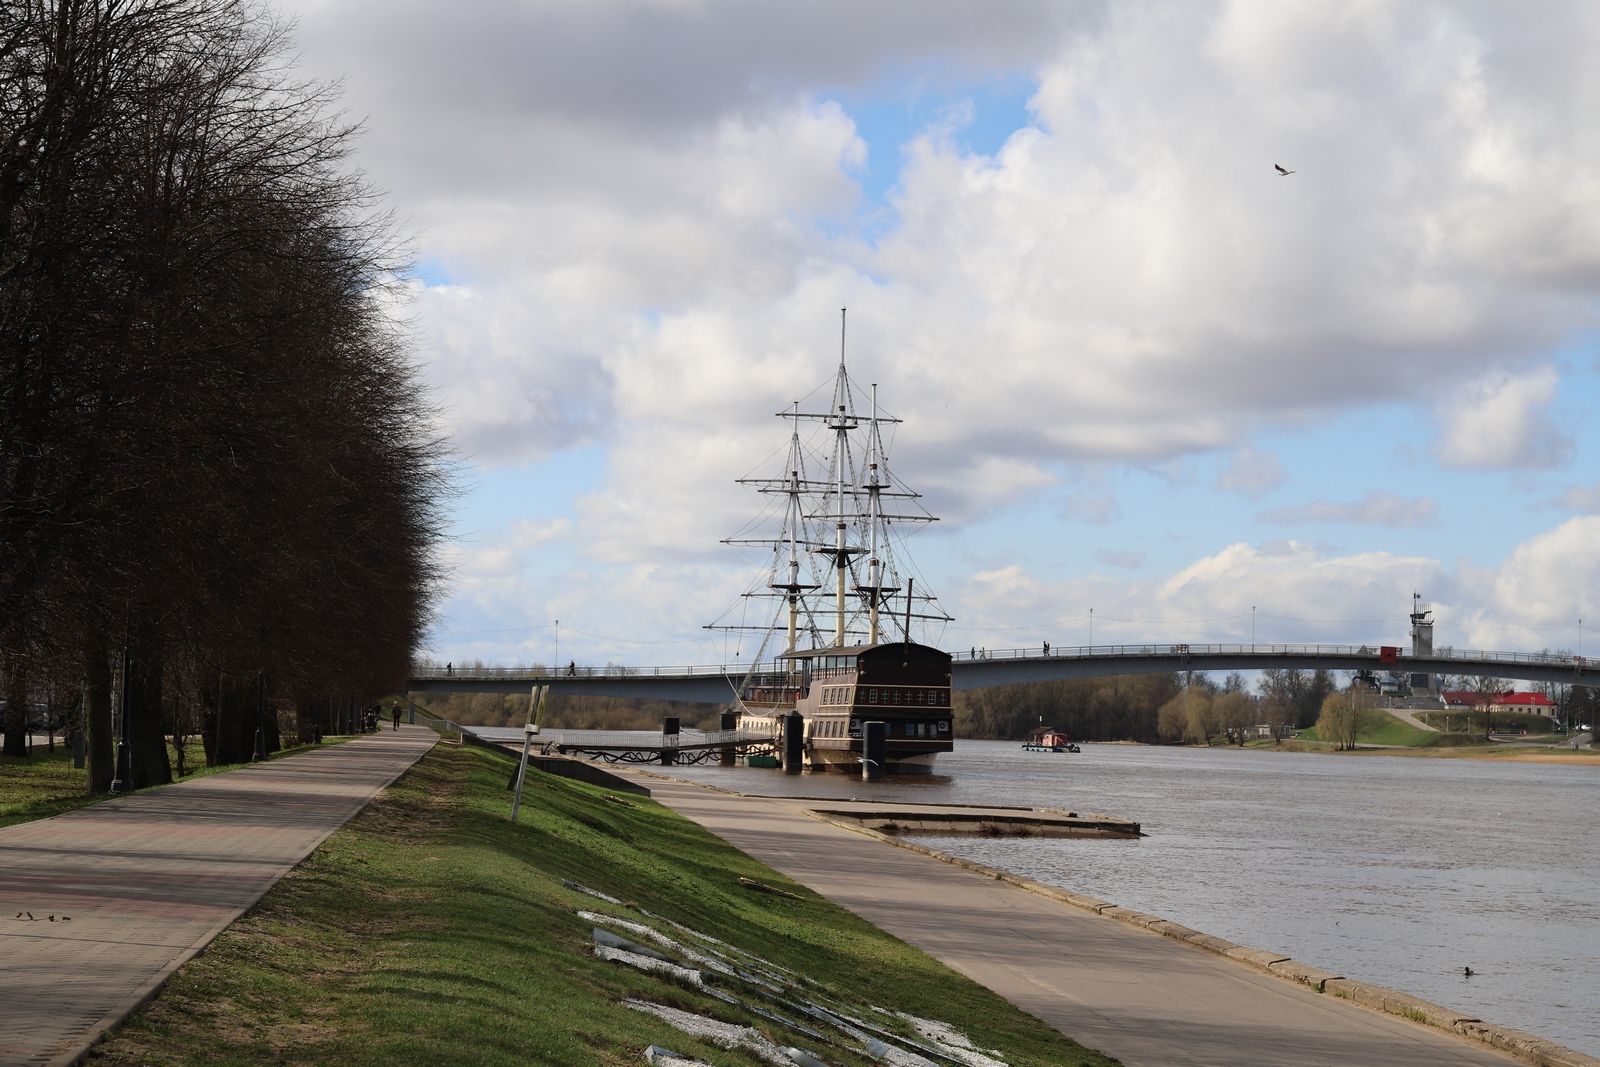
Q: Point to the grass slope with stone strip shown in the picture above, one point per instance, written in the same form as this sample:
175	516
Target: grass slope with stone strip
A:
430	930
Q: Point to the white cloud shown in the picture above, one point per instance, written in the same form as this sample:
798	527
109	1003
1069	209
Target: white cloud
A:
1503	421
1377	508
1095	507
1300	594
1124	278
1129	558
1251	473
1542	589
1584	498
653	210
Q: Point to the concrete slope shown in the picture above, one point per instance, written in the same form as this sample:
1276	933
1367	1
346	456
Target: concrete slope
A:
1136	995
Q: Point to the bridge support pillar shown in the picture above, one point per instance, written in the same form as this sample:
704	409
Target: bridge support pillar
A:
874	737
794	743
726	724
669	740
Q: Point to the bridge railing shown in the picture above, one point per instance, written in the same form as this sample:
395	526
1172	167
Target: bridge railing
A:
535	674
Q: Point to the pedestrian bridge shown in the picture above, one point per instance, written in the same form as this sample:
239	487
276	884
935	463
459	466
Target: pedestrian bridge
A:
983	669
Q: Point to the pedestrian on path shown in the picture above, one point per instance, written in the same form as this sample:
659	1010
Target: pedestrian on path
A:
395	714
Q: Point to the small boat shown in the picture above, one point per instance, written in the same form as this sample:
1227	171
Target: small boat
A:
1048	739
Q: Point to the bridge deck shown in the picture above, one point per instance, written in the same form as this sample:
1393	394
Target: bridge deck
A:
980	668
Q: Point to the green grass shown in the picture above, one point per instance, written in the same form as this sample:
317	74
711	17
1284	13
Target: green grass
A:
1379	727
40	785
46	783
432	931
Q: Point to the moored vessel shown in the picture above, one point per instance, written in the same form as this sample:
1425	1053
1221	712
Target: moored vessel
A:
838	644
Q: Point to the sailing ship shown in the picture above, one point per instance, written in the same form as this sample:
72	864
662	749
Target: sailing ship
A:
845	602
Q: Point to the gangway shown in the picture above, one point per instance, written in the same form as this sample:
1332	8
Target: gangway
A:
688	747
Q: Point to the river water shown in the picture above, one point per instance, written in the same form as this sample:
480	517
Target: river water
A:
1399	871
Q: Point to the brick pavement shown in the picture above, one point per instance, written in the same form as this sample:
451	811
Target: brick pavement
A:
140	884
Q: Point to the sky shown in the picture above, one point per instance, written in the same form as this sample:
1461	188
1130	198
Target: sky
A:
1144	378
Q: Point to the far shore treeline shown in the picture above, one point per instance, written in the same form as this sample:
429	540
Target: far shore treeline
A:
219	486
1165	708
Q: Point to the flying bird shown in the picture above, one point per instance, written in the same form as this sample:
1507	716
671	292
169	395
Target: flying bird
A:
1281	172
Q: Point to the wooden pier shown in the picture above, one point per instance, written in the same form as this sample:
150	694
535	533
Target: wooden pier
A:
939	820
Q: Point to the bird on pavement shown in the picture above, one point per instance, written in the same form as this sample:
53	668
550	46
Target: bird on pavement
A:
1281	172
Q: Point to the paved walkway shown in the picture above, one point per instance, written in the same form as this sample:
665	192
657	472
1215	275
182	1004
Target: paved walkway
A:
149	880
1133	994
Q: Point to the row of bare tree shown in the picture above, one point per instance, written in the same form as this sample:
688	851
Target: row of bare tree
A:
219	489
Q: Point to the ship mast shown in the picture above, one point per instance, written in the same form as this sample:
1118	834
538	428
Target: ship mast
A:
872	522
842	424
793	517
853	496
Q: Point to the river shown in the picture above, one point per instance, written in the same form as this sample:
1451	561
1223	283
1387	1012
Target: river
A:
1394	870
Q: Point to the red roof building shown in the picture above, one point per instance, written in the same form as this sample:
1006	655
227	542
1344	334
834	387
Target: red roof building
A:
1508	702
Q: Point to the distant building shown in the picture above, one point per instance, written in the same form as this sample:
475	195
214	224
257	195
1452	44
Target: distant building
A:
1498	703
1419	683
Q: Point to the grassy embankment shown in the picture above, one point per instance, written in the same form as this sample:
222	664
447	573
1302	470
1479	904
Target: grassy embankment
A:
46	783
432	930
1379	727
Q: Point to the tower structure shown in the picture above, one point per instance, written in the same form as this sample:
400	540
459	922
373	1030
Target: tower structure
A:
1419	683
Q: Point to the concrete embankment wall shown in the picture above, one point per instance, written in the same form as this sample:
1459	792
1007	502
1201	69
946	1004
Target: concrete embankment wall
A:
1393	1002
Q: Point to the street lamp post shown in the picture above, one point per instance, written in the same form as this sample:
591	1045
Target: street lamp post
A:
1252	627
1091	627
555	665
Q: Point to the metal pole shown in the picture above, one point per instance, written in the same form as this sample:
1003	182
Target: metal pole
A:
1091	627
522	768
527	743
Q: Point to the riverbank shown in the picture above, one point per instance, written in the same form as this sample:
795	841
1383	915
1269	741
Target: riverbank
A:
1509	753
1397	872
431	929
1135	988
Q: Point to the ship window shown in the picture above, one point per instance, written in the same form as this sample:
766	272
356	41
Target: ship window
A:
872	696
917	698
944	726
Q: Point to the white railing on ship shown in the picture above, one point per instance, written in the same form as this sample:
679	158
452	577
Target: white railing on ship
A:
432	672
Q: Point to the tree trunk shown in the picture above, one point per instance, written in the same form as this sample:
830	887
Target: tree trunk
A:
97	715
146	726
16	742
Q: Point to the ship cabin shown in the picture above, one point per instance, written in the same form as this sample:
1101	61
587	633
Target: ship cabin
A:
902	684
